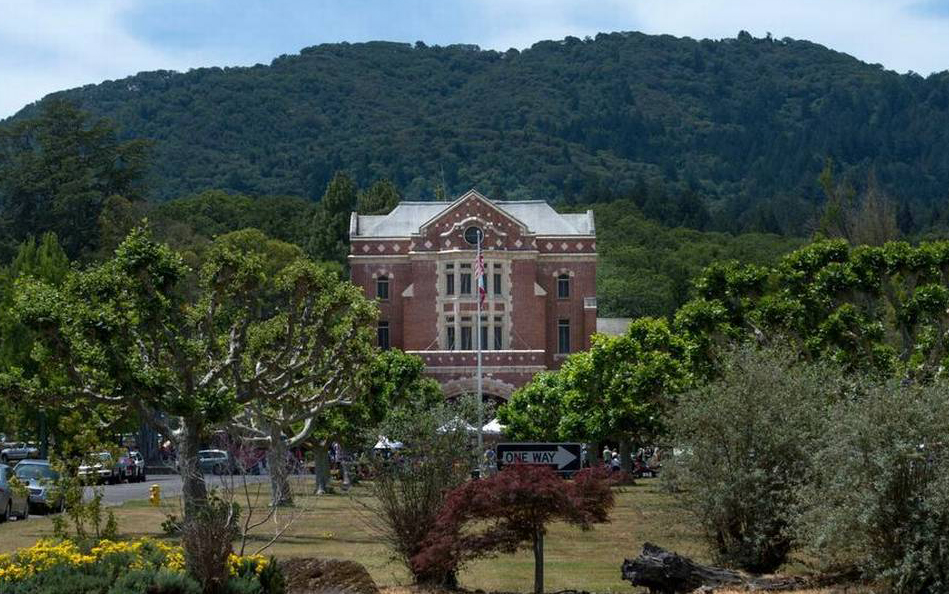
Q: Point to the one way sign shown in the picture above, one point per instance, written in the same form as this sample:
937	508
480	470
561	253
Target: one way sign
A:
561	457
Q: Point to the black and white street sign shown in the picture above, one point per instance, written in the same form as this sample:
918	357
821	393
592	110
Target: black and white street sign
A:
561	457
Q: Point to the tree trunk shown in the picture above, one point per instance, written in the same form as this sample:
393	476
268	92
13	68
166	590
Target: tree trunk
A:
193	490
345	467
664	572
625	460
321	469
277	461
44	436
539	561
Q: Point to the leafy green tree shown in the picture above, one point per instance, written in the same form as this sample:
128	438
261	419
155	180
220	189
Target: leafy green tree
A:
330	229
871	309
125	334
535	410
57	171
380	198
394	379
45	261
620	390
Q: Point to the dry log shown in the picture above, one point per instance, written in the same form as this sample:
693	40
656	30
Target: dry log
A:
664	572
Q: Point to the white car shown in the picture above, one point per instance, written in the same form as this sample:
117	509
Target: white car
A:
103	471
134	466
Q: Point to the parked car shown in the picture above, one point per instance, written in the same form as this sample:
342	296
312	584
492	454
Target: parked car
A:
132	467
104	471
13	503
39	477
216	462
18	451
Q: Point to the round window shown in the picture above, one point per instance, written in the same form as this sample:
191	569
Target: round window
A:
474	235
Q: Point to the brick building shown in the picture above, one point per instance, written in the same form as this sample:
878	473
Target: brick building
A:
540	302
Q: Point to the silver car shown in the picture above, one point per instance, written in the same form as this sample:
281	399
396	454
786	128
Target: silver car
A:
13	502
40	479
18	451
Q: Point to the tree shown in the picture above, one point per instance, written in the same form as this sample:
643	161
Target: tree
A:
878	494
57	171
744	441
619	390
412	480
330	231
45	261
379	199
394	379
125	334
517	504
535	410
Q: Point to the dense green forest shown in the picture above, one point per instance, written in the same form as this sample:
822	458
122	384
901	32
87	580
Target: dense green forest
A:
725	135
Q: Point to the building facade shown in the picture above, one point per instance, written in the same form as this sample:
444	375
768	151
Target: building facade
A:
540	286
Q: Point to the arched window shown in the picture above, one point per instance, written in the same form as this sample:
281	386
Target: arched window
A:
382	288
563	286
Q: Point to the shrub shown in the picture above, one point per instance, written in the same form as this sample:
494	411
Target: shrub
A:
208	535
743	444
517	504
880	498
144	566
410	486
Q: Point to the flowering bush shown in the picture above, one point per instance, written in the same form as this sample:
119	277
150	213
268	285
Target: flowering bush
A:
98	569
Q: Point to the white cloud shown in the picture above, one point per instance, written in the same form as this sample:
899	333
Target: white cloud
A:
895	33
51	45
900	34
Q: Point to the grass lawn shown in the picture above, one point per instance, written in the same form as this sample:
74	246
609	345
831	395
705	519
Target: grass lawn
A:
338	526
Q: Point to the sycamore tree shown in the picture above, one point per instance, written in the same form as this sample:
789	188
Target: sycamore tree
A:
188	358
877	309
620	390
395	379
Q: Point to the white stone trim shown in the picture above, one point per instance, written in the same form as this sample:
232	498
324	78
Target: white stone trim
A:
469	385
464	199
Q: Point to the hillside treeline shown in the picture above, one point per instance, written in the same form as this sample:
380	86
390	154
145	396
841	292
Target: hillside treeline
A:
726	135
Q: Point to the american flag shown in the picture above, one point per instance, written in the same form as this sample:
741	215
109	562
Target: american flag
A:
479	277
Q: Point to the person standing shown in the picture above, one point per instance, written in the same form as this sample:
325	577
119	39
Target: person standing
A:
607	456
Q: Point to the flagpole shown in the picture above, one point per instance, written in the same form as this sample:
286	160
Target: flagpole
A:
480	396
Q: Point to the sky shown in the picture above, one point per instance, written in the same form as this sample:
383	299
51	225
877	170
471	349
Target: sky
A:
49	45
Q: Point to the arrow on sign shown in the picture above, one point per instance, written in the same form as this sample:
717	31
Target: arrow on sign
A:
563	457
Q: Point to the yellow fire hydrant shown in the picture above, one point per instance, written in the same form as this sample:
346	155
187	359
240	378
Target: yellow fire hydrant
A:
154	496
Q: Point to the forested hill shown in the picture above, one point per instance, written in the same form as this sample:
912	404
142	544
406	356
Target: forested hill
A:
743	124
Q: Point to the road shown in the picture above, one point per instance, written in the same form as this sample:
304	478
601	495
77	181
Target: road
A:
170	487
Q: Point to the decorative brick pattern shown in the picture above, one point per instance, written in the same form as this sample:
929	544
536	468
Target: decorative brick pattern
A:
527	311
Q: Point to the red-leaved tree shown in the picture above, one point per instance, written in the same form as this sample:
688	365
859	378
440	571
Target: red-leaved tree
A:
511	510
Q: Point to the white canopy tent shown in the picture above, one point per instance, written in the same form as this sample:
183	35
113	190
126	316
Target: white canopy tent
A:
494	427
457	424
385	443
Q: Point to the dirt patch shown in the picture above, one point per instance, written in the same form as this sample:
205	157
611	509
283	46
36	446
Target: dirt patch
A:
327	576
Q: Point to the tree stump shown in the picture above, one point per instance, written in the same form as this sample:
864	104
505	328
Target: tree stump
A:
665	572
